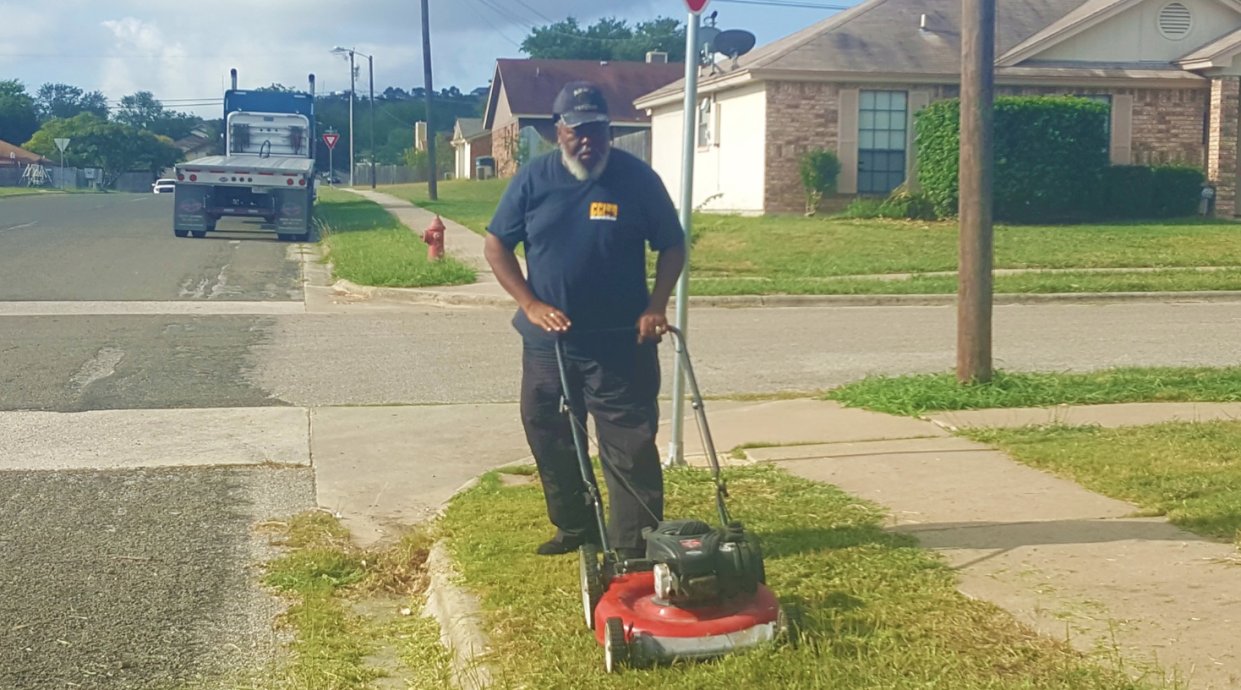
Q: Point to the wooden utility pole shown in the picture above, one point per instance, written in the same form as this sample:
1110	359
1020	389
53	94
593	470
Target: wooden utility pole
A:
432	186
974	288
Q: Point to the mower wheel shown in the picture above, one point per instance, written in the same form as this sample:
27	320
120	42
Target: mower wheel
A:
591	581
789	624
615	647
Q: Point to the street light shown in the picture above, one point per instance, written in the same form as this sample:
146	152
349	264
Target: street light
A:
370	59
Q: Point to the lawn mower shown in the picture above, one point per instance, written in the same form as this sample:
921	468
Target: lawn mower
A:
699	592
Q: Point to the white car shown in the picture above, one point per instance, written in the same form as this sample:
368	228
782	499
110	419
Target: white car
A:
164	186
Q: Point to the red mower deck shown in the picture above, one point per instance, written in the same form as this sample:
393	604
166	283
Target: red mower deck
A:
657	631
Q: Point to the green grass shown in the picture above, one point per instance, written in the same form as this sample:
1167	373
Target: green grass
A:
469	202
1170	280
881	613
1190	472
735	255
369	246
917	394
323	574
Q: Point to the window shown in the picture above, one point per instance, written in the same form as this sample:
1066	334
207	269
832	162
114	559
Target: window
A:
705	124
882	123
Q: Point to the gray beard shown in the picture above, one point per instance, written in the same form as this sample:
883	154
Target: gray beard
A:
579	171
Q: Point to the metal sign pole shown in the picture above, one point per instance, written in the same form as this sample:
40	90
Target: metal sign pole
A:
676	450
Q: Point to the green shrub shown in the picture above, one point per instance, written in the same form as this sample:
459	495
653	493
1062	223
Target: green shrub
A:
1138	191
1050	153
1178	190
901	205
819	170
1126	192
907	205
863	208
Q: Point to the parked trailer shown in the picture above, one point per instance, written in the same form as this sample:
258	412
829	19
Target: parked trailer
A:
267	171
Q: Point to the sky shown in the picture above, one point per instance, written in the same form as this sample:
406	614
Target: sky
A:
182	51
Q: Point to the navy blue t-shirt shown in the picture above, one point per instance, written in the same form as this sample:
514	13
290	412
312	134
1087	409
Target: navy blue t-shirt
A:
586	240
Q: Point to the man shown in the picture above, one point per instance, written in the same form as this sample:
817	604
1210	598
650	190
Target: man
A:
585	214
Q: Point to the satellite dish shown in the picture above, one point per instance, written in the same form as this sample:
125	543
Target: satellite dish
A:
734	42
706	36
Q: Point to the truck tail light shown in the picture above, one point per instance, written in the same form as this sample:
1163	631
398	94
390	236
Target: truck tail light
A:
181	176
302	182
290	182
193	178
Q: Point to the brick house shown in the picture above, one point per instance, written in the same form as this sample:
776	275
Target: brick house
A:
519	107
853	83
470	141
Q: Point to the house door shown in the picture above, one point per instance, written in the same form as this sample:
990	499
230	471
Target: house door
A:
882	140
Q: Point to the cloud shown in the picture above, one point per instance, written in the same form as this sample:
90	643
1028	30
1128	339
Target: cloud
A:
185	50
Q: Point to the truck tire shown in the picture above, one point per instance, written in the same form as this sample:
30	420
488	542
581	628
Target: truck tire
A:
199	233
181	233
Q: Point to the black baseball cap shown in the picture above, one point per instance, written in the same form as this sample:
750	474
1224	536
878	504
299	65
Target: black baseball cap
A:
579	103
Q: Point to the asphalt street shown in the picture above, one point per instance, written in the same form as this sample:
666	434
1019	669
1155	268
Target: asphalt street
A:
121	247
141	578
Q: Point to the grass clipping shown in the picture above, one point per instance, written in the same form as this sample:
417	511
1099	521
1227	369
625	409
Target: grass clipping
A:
327	579
881	612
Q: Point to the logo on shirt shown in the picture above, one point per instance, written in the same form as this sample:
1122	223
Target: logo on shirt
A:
602	211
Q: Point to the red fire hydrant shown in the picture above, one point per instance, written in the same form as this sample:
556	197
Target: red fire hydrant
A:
434	237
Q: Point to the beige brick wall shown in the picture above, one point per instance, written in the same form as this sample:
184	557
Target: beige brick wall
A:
1222	144
1168	126
802	116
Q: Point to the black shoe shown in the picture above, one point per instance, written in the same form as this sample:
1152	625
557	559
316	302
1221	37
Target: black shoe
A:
562	544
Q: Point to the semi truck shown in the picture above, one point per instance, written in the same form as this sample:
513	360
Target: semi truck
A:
267	171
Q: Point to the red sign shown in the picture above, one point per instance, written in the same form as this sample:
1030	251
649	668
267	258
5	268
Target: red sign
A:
697	6
330	139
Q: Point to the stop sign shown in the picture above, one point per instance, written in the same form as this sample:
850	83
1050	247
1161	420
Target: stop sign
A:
696	6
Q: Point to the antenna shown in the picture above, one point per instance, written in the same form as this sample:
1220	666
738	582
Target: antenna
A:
706	39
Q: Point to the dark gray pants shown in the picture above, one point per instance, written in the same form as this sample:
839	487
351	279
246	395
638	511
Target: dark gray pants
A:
619	387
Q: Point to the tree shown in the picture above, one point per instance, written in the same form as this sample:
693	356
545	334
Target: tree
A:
607	39
445	157
278	88
18	117
115	147
144	111
66	101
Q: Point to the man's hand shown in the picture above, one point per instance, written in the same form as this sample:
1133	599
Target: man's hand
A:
652	325
547	317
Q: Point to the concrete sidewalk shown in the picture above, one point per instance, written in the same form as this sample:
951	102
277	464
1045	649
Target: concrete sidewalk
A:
1069	562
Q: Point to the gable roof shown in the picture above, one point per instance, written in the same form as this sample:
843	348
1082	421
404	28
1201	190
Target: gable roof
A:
469	128
880	38
10	153
1217	53
1091	13
531	86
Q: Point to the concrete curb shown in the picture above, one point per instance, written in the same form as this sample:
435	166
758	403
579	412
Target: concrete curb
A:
460	620
446	298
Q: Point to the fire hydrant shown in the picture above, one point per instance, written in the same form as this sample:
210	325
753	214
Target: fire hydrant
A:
434	237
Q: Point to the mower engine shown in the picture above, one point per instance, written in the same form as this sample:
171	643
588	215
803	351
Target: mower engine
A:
697	565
